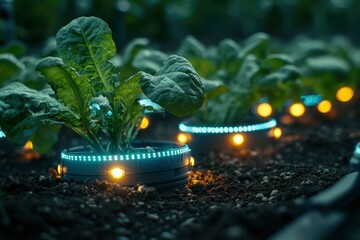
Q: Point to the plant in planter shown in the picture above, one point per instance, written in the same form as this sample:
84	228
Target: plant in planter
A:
236	79
330	71
91	98
23	70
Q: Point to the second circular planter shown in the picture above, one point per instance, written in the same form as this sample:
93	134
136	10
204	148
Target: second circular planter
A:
255	132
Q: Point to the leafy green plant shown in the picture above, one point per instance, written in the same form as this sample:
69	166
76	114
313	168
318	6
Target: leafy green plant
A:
326	66
237	77
88	94
22	70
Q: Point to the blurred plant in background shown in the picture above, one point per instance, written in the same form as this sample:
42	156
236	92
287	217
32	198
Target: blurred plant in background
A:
168	21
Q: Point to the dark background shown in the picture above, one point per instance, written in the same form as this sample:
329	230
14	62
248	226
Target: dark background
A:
167	22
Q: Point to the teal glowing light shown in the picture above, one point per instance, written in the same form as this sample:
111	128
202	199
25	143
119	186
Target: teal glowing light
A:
311	100
230	129
357	149
148	102
2	134
65	155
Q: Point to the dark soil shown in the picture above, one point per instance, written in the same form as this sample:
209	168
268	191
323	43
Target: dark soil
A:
231	195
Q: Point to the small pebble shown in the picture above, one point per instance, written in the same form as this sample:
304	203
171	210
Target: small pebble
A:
274	192
259	195
153	216
167	235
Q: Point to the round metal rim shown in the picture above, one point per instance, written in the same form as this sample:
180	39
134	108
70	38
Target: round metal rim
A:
166	169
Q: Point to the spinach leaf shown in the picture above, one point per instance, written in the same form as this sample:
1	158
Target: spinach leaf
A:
176	87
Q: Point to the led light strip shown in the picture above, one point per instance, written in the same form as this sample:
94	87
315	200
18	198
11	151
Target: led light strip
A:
245	128
124	157
2	134
311	100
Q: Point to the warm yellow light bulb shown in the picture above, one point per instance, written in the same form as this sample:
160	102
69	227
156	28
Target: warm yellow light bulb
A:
117	173
28	145
182	138
297	109
324	106
144	123
277	133
192	161
264	110
59	169
238	139
344	94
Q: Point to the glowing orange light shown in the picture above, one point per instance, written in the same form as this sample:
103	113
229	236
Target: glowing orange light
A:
264	110
277	133
28	145
238	139
297	109
192	161
144	123
59	169
344	94
324	106
182	138
117	173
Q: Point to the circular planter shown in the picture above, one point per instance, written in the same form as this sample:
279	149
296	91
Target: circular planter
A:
255	132
161	164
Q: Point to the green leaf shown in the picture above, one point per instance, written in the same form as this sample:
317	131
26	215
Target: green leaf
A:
255	44
227	50
275	61
326	64
129	90
282	75
306	48
44	136
214	88
10	66
86	45
133	48
176	87
204	67
149	61
72	90
191	47
16	48
21	107
243	78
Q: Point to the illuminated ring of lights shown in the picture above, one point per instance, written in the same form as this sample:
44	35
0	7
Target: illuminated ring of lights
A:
228	129
67	155
2	134
166	167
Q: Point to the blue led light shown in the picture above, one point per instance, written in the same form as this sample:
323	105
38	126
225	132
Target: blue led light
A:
65	155
311	100
227	129
2	134
357	149
148	102
96	106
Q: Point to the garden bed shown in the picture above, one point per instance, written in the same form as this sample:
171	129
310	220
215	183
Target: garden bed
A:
231	195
